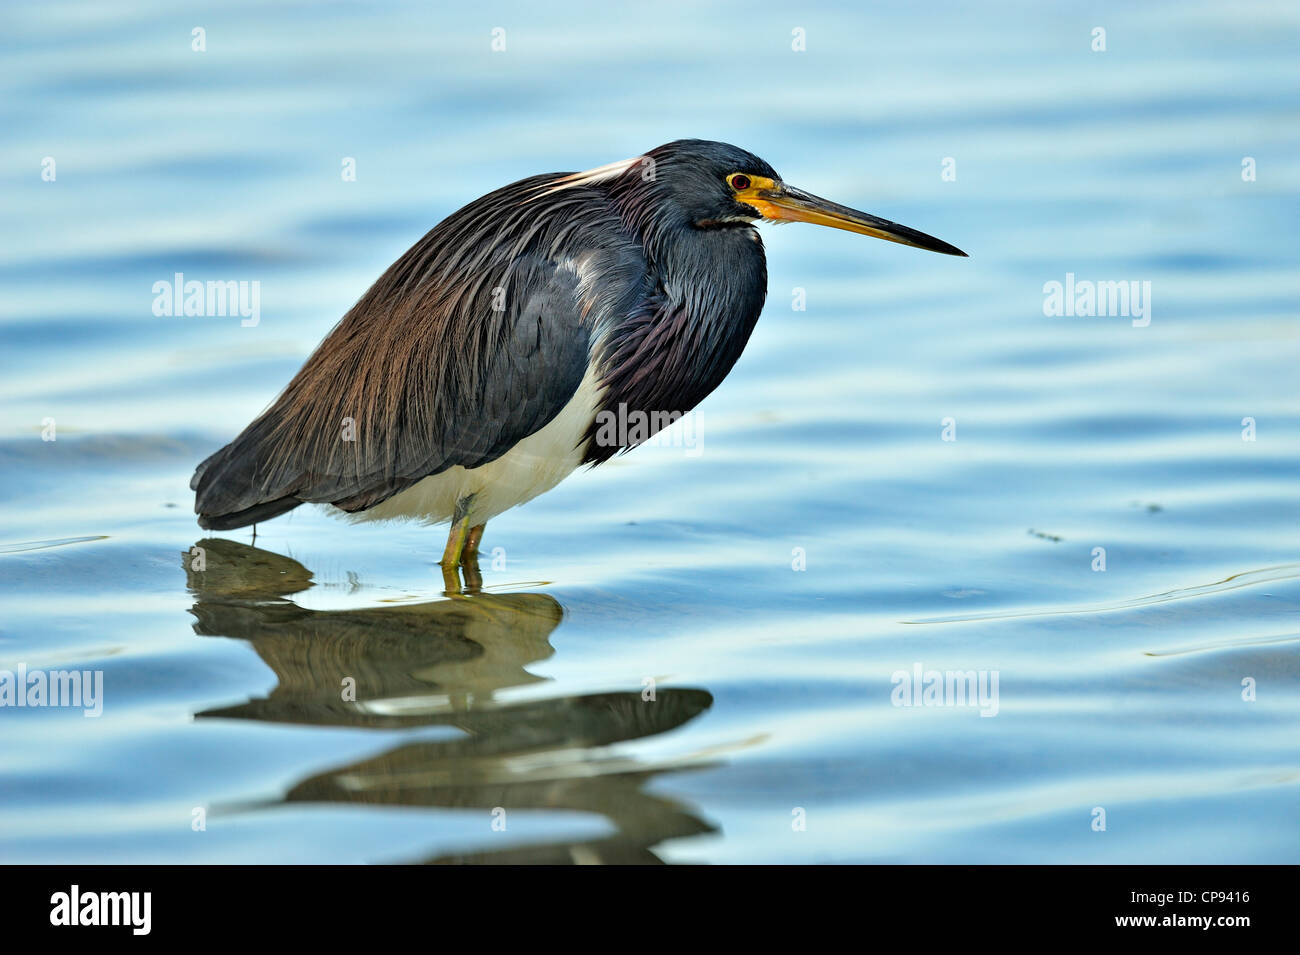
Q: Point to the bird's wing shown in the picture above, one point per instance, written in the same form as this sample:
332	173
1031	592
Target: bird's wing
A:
471	341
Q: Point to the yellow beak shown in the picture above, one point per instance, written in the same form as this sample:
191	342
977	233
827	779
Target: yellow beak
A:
783	203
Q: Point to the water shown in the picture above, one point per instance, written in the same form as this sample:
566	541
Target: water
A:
672	569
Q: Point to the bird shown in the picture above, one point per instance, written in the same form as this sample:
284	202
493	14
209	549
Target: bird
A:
470	377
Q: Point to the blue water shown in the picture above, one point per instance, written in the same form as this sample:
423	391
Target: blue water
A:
766	584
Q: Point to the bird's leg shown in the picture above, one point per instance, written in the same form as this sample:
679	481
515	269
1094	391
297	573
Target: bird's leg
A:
473	579
469	559
451	555
471	543
459	533
454	553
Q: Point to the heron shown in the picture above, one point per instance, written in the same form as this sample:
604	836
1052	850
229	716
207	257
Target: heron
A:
469	378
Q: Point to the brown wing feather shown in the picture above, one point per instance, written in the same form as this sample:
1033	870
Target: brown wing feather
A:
474	339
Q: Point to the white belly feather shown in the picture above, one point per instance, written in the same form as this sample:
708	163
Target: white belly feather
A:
533	466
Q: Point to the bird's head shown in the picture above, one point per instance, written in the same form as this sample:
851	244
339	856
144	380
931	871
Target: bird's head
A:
711	185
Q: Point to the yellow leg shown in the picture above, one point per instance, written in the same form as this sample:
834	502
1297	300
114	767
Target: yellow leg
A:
472	540
456	538
452	554
462	546
469	560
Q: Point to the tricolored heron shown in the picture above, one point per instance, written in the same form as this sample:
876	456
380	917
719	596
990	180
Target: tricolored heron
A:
470	376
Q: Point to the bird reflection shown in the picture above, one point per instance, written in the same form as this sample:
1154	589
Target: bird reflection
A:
442	664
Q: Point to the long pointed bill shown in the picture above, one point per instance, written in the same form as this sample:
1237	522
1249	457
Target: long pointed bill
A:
786	204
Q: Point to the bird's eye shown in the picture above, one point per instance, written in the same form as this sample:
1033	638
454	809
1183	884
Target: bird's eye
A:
739	181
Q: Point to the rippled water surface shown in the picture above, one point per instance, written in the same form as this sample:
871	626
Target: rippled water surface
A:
774	582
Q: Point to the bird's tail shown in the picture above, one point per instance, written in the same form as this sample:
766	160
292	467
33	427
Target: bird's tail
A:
227	490
249	515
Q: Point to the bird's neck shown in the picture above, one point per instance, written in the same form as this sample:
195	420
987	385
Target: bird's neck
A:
705	291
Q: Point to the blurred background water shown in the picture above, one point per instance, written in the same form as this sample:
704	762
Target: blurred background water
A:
772	735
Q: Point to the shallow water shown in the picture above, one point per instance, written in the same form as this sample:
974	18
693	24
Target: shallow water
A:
773	734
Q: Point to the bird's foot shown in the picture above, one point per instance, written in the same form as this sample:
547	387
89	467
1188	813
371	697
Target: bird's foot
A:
451	578
461	555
